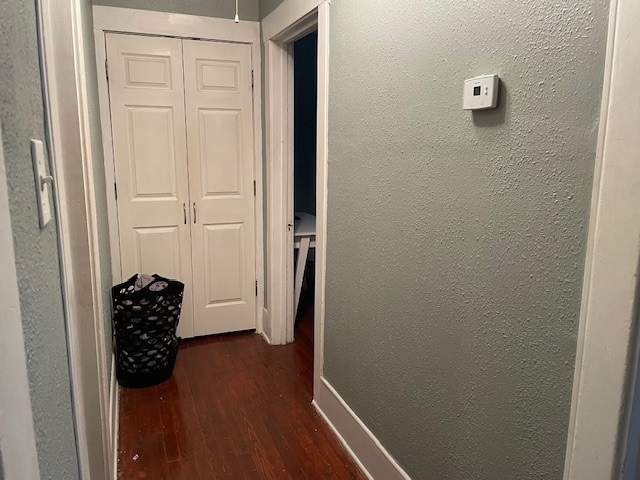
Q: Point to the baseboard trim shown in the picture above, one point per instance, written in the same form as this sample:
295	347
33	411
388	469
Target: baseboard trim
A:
266	323
367	451
266	339
114	419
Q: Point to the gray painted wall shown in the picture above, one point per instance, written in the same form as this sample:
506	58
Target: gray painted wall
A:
21	114
249	9
456	241
268	6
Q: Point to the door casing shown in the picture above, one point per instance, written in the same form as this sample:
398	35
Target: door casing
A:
607	346
280	143
292	20
68	132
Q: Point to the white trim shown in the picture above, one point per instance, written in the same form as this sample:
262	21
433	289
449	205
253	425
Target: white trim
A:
322	167
17	437
285	15
256	54
304	17
95	264
276	118
54	107
266	322
363	446
68	129
114	419
107	150
266	339
607	325
278	103
127	20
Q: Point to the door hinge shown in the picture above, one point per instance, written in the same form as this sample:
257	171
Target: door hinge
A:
254	188
115	189
252	80
106	68
256	288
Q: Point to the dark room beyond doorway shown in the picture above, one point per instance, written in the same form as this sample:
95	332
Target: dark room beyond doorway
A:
305	53
305	108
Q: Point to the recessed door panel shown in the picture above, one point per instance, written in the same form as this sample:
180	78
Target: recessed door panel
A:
152	151
147	71
158	250
146	91
221	152
224	257
220	146
218	75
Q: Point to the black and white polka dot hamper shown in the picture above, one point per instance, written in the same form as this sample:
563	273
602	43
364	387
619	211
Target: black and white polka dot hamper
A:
145	319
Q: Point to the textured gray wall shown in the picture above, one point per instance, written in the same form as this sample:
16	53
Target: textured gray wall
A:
249	9
21	113
268	6
456	241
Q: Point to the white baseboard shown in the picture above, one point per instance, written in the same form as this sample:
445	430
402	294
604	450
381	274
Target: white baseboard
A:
367	451
114	418
266	339
266	325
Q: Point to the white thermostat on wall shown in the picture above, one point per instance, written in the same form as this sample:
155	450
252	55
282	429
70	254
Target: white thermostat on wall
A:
481	93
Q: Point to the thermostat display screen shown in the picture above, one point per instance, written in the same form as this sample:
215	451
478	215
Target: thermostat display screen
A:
476	91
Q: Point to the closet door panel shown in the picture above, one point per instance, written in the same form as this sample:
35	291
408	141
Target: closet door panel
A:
146	92
218	96
220	133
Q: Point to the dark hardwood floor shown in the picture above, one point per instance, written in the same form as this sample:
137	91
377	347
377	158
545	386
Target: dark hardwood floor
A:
235	408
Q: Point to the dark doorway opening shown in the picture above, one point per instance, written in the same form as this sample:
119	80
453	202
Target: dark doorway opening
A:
305	56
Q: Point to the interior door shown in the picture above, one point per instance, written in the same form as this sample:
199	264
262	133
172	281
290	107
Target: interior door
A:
218	95
146	94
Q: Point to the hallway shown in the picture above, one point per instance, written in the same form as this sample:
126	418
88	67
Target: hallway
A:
235	408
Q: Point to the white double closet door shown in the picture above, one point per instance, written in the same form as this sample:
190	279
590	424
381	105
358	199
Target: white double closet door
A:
182	127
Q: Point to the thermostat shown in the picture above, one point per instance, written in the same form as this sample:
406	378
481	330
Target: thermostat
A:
481	93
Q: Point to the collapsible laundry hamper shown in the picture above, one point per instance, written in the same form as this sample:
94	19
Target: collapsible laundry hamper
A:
145	319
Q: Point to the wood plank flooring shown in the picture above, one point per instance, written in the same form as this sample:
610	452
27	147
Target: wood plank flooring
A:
235	408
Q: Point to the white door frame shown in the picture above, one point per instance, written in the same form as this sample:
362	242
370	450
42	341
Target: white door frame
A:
64	81
17	437
132	21
279	114
607	333
290	21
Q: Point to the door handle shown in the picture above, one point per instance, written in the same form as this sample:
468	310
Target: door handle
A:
184	212
194	212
